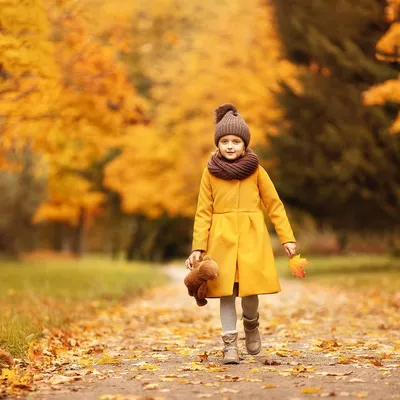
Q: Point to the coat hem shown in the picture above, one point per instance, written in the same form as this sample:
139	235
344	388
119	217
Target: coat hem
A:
254	294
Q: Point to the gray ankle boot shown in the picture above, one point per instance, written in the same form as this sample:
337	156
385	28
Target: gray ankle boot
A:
231	354
253	339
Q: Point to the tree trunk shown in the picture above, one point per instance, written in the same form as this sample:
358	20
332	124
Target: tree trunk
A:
77	241
114	224
394	243
57	236
343	241
131	246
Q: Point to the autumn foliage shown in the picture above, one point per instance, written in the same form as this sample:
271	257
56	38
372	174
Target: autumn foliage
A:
114	105
388	50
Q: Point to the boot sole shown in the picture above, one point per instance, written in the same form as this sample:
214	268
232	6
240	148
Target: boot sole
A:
254	353
230	362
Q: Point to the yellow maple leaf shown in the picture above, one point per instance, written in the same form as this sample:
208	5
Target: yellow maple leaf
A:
203	357
297	264
7	373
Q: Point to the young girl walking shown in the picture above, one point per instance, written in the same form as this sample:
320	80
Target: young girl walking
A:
229	226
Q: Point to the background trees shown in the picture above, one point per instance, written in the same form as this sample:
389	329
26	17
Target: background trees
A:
108	111
347	165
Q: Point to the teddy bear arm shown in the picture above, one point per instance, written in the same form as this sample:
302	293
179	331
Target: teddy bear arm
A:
201	293
200	302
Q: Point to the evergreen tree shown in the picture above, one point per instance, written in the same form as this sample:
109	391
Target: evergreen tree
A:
337	160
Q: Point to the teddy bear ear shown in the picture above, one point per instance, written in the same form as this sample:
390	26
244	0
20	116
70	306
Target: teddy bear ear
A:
207	257
195	263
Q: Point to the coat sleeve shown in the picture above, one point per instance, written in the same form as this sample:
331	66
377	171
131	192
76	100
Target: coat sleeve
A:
274	206
203	216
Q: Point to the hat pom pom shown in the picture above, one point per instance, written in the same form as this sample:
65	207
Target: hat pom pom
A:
222	110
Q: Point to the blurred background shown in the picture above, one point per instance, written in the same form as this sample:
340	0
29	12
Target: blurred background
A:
107	120
106	124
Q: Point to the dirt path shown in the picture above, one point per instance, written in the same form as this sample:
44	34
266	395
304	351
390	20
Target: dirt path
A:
316	343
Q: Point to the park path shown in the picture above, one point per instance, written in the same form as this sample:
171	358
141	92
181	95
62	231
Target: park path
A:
317	342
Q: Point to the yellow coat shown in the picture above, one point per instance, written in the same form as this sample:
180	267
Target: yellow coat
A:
229	226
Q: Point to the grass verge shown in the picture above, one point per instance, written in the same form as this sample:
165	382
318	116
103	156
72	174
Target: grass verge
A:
44	294
362	272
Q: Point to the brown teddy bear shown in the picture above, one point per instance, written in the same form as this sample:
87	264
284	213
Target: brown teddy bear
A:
196	280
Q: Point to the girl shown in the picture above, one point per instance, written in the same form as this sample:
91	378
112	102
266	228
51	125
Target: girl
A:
229	226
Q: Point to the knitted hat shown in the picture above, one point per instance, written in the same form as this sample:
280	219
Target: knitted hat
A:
229	122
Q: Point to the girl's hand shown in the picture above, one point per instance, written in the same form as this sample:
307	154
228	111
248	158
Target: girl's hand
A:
290	248
195	255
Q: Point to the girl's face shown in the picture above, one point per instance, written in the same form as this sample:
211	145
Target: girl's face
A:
231	147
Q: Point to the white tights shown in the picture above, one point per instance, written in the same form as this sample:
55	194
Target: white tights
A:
228	309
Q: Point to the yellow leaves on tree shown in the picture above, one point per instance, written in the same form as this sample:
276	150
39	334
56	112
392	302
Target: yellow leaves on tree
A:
388	50
188	70
388	46
29	75
68	194
380	94
144	174
96	106
67	91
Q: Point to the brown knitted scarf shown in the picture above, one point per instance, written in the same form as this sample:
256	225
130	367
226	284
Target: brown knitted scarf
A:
240	168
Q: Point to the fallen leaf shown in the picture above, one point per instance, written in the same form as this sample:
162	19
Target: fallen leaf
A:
108	360
215	368
59	379
229	378
325	373
309	390
329	344
85	361
149	367
150	386
119	397
226	390
203	357
375	362
346	360
5	359
266	362
7	373
269	386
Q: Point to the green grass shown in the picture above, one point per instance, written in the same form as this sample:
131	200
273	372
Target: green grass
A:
353	272
38	295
